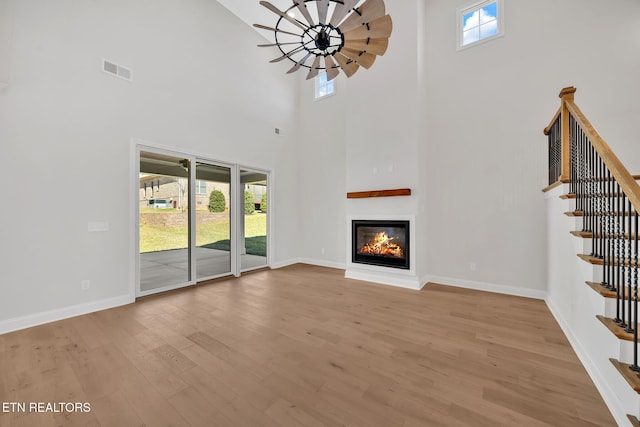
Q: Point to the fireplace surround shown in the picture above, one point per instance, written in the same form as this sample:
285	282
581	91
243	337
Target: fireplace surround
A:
371	270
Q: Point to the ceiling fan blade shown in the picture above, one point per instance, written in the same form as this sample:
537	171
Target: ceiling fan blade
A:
341	10
286	55
314	68
362	58
305	12
332	70
376	29
369	11
278	12
323	7
264	27
375	46
277	44
348	66
299	63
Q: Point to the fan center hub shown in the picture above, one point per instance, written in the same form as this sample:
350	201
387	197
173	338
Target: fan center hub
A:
323	40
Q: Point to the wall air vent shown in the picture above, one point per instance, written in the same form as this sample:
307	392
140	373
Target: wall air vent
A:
116	70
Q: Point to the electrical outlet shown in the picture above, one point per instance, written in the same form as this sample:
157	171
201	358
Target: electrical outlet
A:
85	285
322	251
473	266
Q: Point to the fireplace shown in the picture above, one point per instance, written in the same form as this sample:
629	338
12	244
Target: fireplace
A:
380	242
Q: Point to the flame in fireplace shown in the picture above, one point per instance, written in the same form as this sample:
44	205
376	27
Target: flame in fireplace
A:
382	244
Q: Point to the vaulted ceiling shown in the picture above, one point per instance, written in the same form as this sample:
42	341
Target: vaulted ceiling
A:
251	12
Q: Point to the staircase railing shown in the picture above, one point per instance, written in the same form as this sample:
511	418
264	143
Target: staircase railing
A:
607	197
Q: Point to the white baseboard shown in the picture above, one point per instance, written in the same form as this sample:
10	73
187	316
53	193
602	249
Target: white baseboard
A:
323	263
285	263
29	321
318	262
592	369
488	287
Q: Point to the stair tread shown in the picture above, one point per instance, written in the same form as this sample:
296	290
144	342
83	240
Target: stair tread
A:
583	234
589	235
573	195
594	260
581	213
616	329
634	421
608	293
629	375
591	259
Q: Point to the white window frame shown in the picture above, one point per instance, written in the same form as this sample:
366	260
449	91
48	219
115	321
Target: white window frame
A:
316	95
463	10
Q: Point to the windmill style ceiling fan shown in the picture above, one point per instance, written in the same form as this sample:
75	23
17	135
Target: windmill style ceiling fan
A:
334	35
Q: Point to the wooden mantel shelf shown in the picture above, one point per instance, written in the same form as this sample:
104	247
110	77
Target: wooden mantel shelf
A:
379	193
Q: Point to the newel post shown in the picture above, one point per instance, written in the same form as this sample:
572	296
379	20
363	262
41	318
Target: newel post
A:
566	95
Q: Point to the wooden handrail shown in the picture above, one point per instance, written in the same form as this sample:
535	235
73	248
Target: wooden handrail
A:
620	173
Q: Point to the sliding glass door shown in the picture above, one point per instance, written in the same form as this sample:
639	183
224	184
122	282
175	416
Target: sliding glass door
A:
197	220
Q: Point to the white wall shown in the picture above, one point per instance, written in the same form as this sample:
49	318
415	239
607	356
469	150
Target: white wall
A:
199	85
363	138
486	108
322	174
6	35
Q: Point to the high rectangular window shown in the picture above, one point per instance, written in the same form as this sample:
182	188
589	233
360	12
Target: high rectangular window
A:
324	87
479	22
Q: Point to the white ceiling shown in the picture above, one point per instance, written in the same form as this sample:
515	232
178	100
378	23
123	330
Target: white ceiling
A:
251	12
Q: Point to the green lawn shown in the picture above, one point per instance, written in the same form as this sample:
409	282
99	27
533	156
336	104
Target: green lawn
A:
211	235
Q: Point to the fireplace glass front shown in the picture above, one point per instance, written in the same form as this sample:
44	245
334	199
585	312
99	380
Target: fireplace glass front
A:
381	243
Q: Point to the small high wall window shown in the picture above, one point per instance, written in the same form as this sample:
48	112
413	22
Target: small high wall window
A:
323	87
479	22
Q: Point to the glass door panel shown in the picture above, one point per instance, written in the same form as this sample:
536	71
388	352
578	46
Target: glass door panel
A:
213	220
253	227
164	222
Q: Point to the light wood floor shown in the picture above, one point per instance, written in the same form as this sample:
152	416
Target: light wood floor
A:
302	346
